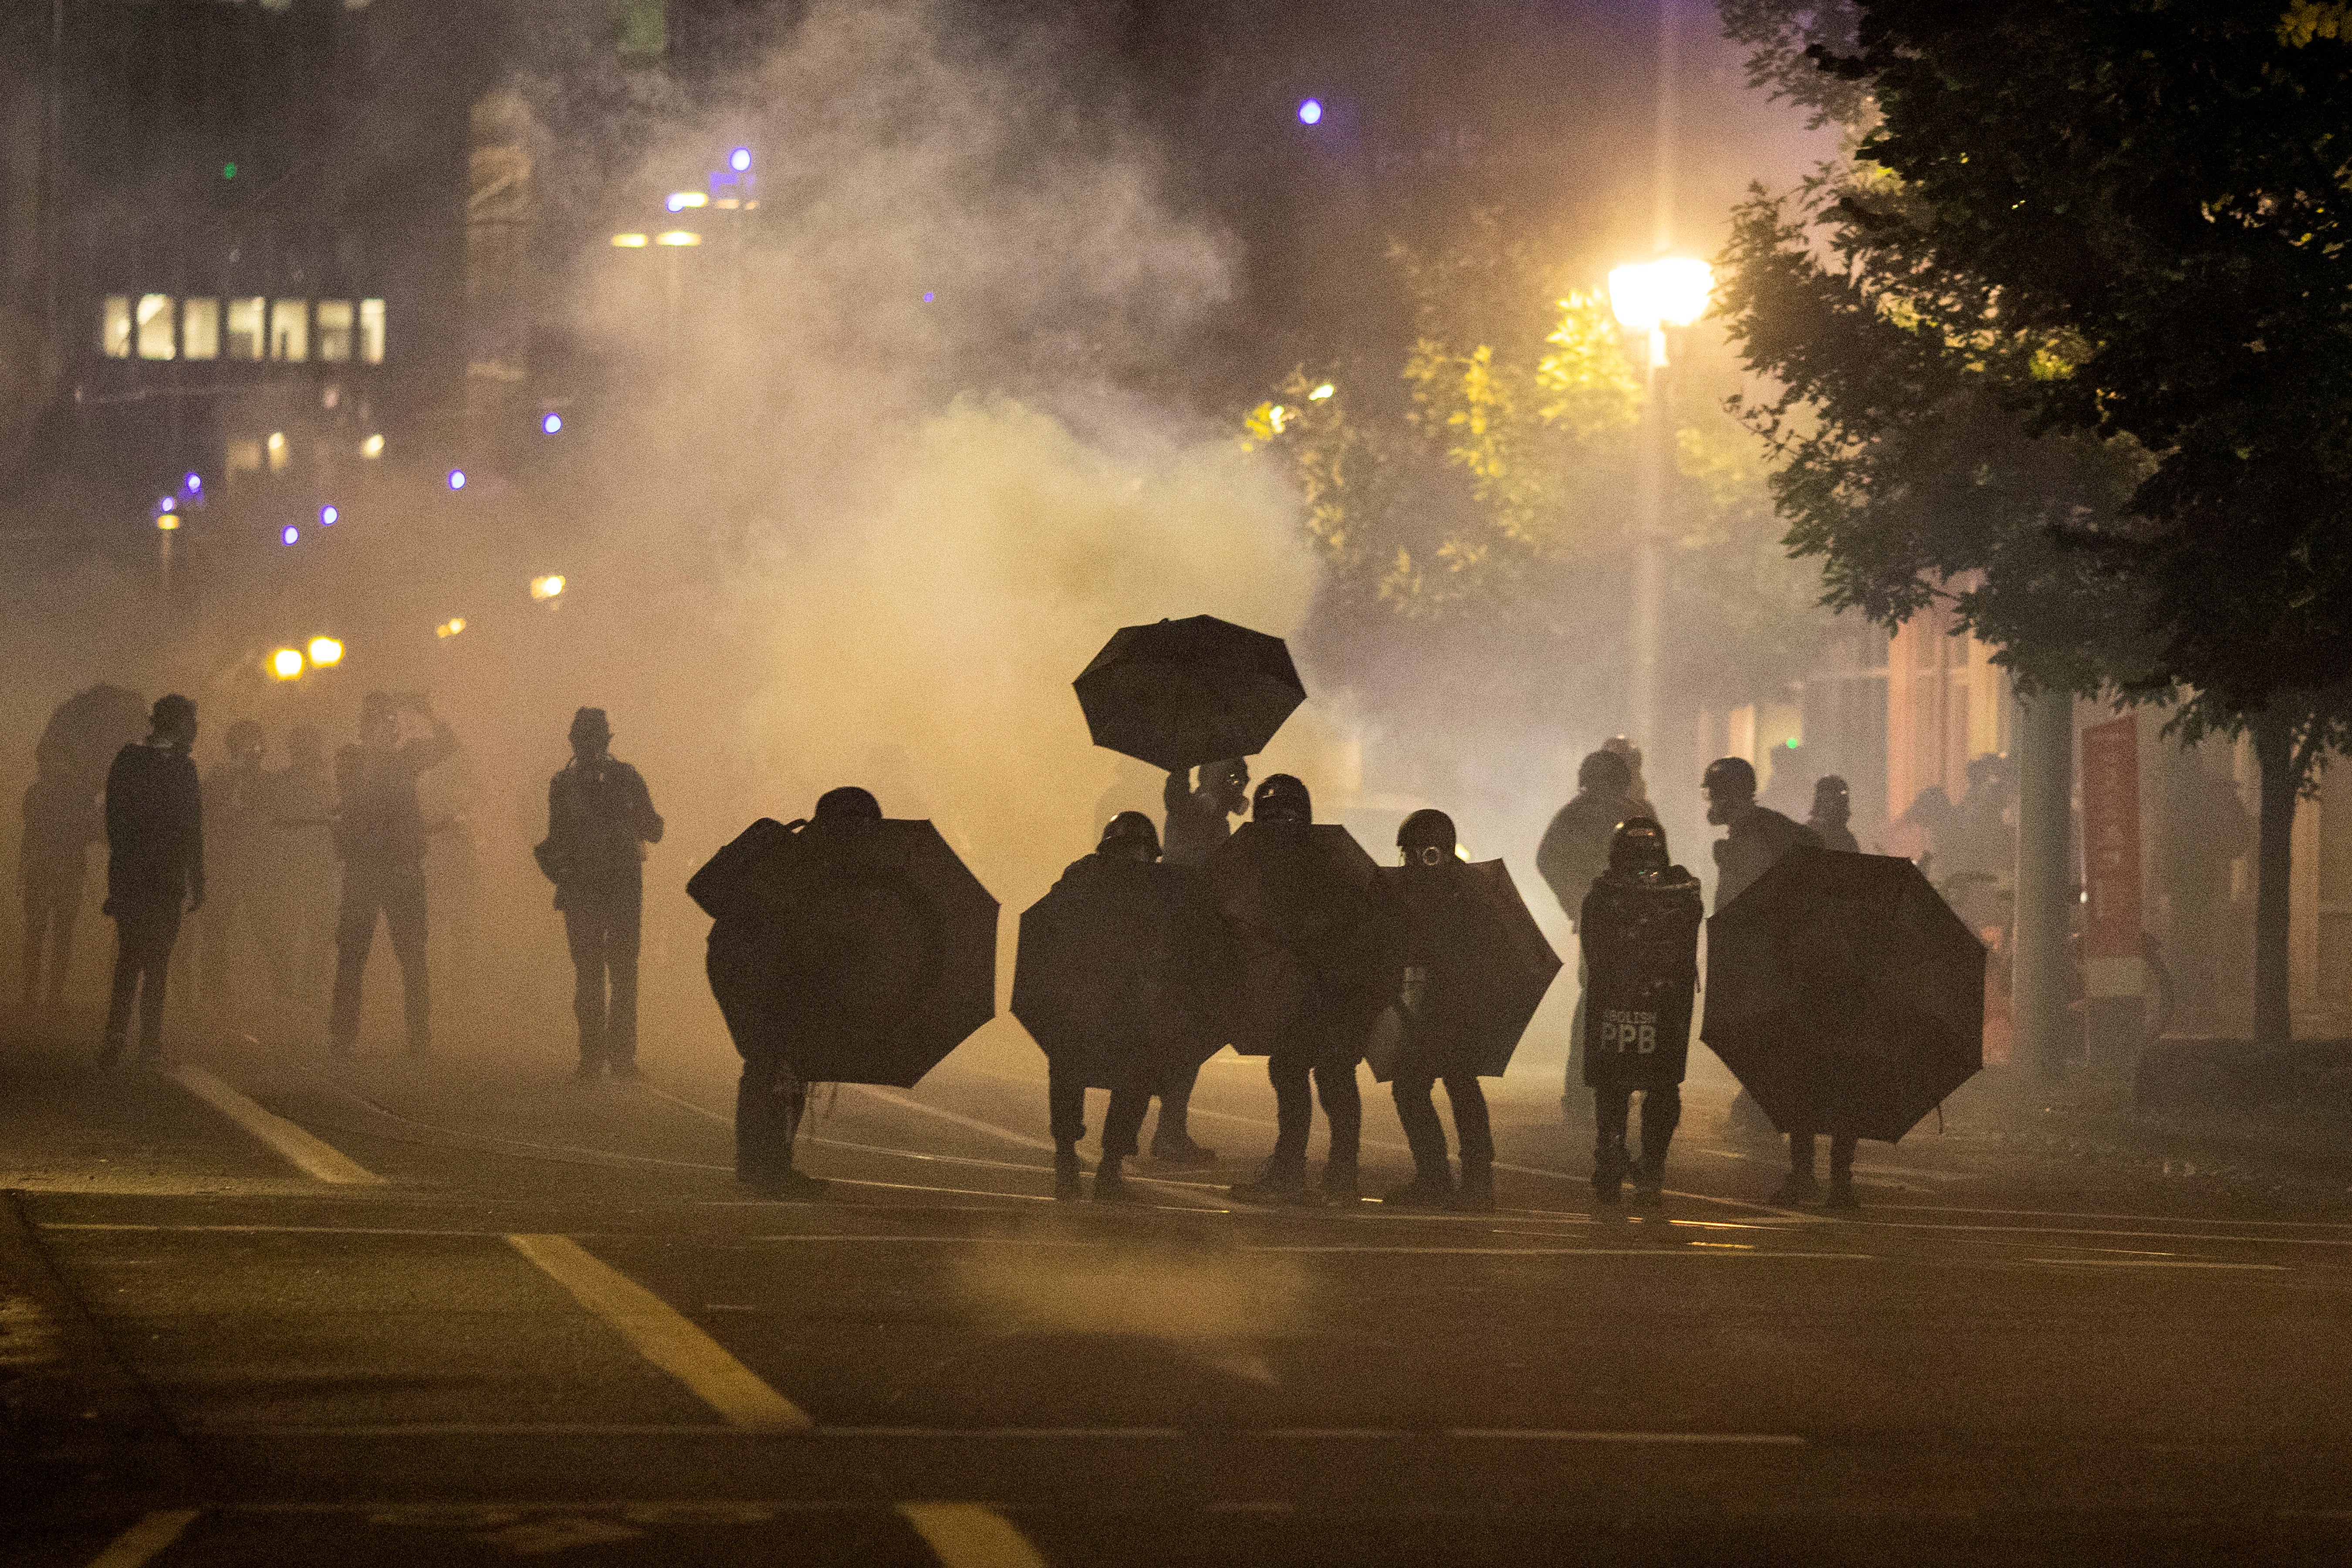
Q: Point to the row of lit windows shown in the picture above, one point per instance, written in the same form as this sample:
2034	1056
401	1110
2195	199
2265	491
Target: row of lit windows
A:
155	326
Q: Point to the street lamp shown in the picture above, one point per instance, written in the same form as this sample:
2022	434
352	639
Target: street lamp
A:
326	652
1648	297
286	664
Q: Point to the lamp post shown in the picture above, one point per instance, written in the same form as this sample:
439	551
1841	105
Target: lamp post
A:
1650	297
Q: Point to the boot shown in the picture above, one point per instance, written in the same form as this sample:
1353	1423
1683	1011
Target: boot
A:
1178	1151
1797	1190
1283	1184
1427	1190
1608	1173
1478	1193
1649	1183
1110	1182
1065	1176
1341	1184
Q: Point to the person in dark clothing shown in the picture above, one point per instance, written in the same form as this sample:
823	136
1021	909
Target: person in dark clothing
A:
600	817
1832	810
238	814
1322	1046
155	864
301	883
1125	863
62	820
1435	946
741	962
1196	825
1575	849
1640	935
379	834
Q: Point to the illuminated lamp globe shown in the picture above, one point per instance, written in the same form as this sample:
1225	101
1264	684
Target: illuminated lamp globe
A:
286	664
1310	111
740	160
326	652
1671	292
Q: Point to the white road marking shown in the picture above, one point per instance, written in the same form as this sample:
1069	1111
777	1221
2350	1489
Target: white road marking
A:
664	1337
972	1122
145	1540
1660	1251
1757	1440
970	1536
2150	1263
309	1155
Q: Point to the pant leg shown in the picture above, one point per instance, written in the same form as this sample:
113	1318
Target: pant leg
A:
404	917
1294	1107
37	920
354	934
1662	1112
1176	1106
1066	1105
585	930
154	985
622	944
1841	1158
1800	1150
768	1100
1473	1130
1576	1035
1411	1090
128	960
1343	1107
1610	1106
1123	1123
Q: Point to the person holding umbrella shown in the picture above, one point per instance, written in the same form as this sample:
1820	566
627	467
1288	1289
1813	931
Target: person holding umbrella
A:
1639	927
1196	825
1438	940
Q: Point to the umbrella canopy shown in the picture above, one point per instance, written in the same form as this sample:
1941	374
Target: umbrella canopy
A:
1181	693
1303	903
1846	993
878	946
1121	973
1492	966
88	728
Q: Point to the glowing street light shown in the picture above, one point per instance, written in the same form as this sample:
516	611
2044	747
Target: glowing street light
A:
195	484
286	664
552	424
740	160
289	535
681	200
450	628
457	479
677	237
167	520
326	652
328	516
1310	111
1671	292
372	446
548	588
630	241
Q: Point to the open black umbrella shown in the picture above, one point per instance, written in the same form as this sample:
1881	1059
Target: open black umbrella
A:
86	731
1846	993
1303	903
1121	973
1497	966
882	944
1181	693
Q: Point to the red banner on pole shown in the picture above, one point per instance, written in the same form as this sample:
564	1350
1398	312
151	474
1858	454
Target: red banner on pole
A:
2111	917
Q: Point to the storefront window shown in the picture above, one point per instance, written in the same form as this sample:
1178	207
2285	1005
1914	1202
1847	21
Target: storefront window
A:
200	329
155	326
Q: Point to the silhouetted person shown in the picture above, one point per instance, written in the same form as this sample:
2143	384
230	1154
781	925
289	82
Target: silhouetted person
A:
380	833
1320	1046
1640	936
600	816
1832	810
1759	838
1575	849
154	866
301	867
1436	943
240	845
62	820
1196	825
1636	785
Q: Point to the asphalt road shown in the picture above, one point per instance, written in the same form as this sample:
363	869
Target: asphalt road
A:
460	1312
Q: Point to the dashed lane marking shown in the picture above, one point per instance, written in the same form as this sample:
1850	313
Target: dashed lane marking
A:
311	1155
664	1337
970	1536
145	1540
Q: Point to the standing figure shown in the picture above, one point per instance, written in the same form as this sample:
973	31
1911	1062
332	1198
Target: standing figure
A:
379	834
155	864
1832	810
301	907
1640	935
239	853
1437	939
1196	825
1575	849
1321	1031
600	817
61	822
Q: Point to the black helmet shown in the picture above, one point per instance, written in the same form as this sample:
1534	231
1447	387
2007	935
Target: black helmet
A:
1829	790
1283	798
1130	831
1605	770
848	804
1640	845
1426	839
1729	775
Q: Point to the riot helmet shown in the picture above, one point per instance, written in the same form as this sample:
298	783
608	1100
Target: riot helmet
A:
1282	798
1130	835
846	804
1832	801
1605	770
1426	839
1638	846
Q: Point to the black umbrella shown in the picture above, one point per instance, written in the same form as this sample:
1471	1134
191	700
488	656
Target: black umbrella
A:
1846	993
1303	903
882	943
1181	693
1121	975
1496	967
86	731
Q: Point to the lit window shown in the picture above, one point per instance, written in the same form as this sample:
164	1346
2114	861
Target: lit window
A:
290	330
281	451
244	334
154	326
114	327
200	329
335	329
372	331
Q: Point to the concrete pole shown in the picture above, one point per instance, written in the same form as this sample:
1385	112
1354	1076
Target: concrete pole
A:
1650	507
2045	882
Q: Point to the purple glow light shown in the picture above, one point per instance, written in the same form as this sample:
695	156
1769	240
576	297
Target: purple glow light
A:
1310	111
457	479
290	535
